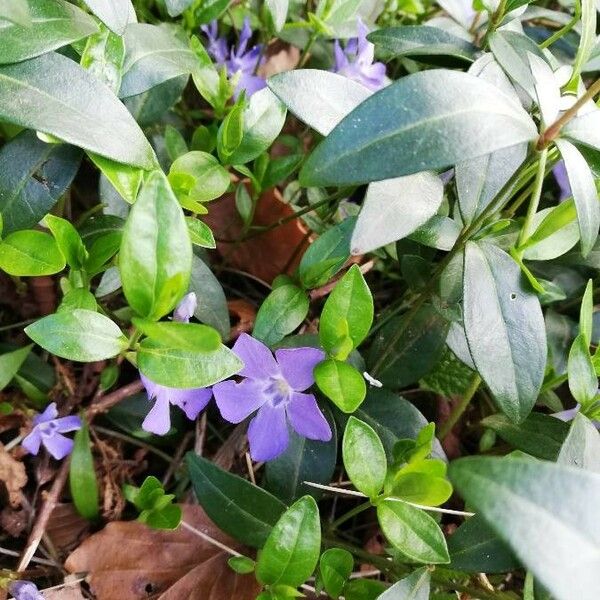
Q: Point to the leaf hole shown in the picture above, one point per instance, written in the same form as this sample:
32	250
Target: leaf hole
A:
513	296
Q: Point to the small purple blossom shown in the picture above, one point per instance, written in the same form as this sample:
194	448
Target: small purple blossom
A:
190	401
355	61
47	431
560	175
273	386
239	61
25	590
571	413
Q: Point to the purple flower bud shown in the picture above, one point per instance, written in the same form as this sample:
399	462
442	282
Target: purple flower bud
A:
185	309
272	387
47	431
560	175
25	590
355	61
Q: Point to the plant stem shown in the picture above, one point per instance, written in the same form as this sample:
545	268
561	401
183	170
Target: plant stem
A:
565	29
460	407
351	513
307	49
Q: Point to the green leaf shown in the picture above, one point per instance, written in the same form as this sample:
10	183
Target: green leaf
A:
154	54
231	131
103	56
423	43
210	10
318	98
395	208
115	14
282	311
413	532
335	567
175	143
263	119
73	106
504	328
539	435
586	312
341	383
587	41
199	176
581	447
54	23
10	363
364	589
241	509
200	233
176	7
414	587
585	195
326	255
422	488
278	9
185	336
156	252
348	312
364	457
30	253
167	517
81	335
16	11
584	129
241	564
545	512
410	351
453	119
583	382
33	176
292	549
126	179
68	240
82	475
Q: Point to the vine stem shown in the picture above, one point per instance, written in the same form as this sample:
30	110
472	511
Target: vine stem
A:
460	407
565	29
351	513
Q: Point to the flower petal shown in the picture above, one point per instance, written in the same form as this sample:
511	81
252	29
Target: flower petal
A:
297	365
150	387
49	414
191	402
258	360
58	445
268	433
25	590
185	309
307	419
236	401
72	423
32	442
158	419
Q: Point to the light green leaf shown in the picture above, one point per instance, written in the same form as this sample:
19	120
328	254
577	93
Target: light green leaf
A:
68	240
341	383
185	336
16	11
176	7
81	335
29	253
199	176
278	9
581	448
414	587
583	382
82	476
126	179
115	14
103	56
200	233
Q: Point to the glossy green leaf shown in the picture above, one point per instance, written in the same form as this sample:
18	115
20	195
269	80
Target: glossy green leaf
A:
30	253
341	383
126	179
174	367
335	567
156	252
364	457
33	176
199	176
585	195
422	488
414	587
103	56
54	23
16	11
81	335
241	564
231	131
10	363
115	14
73	106
413	532
504	328
292	549
545	512
82	475
200	233
456	117
186	336
241	509
68	240
282	311
583	382
78	298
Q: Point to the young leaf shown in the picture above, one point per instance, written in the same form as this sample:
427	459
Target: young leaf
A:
82	476
244	511
200	233
583	382
414	587
292	549
186	336
544	511
68	240
586	312
341	383
81	335
335	567
10	363
30	253
504	328
199	176
364	457
156	252
115	14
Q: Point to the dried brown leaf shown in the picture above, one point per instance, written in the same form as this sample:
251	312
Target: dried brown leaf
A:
129	561
66	528
69	592
13	476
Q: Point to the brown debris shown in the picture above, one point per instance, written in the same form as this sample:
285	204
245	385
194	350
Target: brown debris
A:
12	476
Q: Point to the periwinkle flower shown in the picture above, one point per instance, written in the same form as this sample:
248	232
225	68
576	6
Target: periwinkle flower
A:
25	590
47	431
355	61
560	175
239	61
273	388
190	401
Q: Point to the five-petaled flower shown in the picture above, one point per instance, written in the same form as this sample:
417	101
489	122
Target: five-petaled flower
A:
25	590
355	61
239	62
47	430
273	386
190	401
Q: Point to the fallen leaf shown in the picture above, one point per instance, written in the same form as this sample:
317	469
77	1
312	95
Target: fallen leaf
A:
266	255
66	528
14	522
69	592
130	561
12	474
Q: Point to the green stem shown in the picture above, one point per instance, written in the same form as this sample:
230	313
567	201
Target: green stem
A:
563	30
460	408
495	21
307	49
351	513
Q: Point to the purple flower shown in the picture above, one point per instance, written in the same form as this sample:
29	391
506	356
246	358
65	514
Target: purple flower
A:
25	590
48	429
238	61
571	413
355	61
190	401
273	386
560	175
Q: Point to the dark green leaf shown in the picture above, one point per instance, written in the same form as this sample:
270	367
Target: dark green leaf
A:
82	475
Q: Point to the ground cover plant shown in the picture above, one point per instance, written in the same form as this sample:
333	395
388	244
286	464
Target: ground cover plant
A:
297	299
